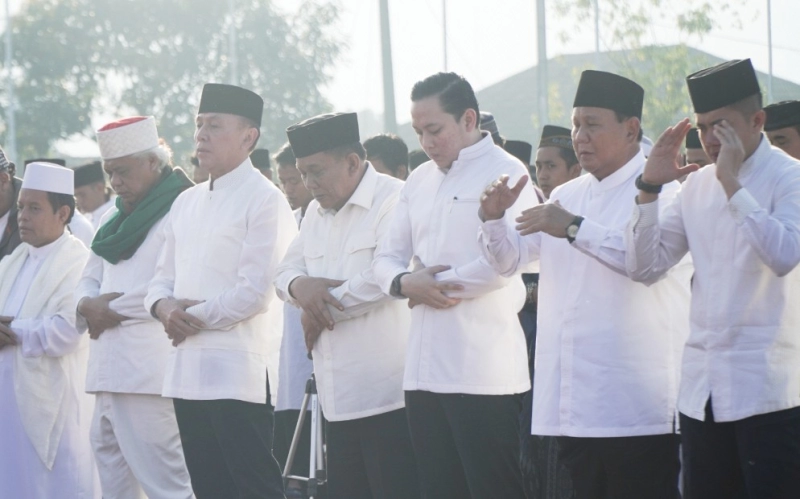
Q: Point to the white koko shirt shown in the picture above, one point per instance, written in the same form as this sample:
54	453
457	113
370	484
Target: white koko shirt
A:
131	357
476	347
744	347
359	365
607	348
222	246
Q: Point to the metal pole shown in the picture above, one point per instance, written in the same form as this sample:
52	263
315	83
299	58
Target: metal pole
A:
11	137
597	34
232	44
769	44
389	116
444	32
541	46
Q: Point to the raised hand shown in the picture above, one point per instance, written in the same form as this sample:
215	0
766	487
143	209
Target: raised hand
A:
664	164
731	152
498	197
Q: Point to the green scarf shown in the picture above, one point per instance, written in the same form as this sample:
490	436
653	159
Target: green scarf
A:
120	237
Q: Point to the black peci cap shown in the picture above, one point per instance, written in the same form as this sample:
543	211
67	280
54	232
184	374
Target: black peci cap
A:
519	149
89	174
230	99
609	91
782	114
323	133
722	85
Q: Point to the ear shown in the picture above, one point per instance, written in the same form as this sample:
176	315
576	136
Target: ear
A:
63	214
402	172
353	163
250	138
759	119
470	118
633	126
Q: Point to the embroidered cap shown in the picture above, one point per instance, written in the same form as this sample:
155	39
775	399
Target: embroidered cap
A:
127	136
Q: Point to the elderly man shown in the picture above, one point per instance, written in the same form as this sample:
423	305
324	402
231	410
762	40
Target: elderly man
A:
740	219
45	412
213	293
783	126
93	196
357	333
134	433
607	349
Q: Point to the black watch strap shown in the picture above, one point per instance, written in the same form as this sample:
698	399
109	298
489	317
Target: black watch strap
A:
644	186
576	222
394	290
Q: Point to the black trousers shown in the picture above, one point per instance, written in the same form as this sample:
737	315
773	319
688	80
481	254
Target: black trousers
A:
371	457
227	445
622	467
467	446
285	423
757	457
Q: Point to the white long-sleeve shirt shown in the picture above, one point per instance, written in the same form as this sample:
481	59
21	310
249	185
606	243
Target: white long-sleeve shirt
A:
222	246
359	365
743	350
476	347
607	348
131	357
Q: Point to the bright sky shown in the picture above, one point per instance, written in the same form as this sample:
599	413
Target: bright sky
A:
488	41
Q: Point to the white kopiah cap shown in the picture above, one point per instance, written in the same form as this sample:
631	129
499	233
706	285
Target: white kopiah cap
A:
49	178
127	136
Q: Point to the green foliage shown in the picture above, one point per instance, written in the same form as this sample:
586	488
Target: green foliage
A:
74	59
627	28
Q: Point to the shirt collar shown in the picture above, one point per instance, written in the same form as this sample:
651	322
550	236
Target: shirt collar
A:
758	156
364	193
475	151
233	177
42	252
620	176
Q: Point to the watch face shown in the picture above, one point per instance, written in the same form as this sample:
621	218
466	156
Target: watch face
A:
572	231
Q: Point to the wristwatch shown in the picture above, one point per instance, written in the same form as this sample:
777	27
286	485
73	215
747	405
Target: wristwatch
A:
394	290
645	187
572	229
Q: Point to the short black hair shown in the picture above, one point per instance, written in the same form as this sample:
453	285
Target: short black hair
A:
285	156
248	123
454	92
622	117
568	155
416	158
389	148
57	200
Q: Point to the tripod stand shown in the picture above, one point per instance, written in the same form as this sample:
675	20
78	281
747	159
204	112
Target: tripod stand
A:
316	466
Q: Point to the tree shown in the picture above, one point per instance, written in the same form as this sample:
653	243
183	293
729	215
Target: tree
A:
78	59
625	27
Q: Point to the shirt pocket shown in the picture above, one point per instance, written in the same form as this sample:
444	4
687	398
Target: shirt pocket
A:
359	251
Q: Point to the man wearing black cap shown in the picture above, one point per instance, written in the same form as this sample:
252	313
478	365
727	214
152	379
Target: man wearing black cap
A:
213	293
556	162
783	126
466	365
356	333
93	197
740	217
695	155
607	349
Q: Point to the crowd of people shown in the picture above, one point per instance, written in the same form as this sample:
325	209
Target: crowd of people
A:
603	317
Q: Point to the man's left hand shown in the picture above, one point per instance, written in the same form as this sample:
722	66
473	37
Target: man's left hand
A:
550	218
7	336
311	330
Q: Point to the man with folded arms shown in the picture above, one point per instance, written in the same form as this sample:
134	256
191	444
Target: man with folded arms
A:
357	334
134	432
44	419
213	293
740	218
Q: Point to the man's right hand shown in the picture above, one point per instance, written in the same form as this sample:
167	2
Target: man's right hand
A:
498	197
98	313
178	323
421	287
664	164
313	295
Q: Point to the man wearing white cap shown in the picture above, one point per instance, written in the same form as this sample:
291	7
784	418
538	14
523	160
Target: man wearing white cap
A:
213	293
44	431
134	433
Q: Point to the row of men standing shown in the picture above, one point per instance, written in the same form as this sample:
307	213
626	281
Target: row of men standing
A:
422	402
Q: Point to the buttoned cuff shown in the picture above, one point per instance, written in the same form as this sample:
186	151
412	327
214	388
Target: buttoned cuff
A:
742	204
645	215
